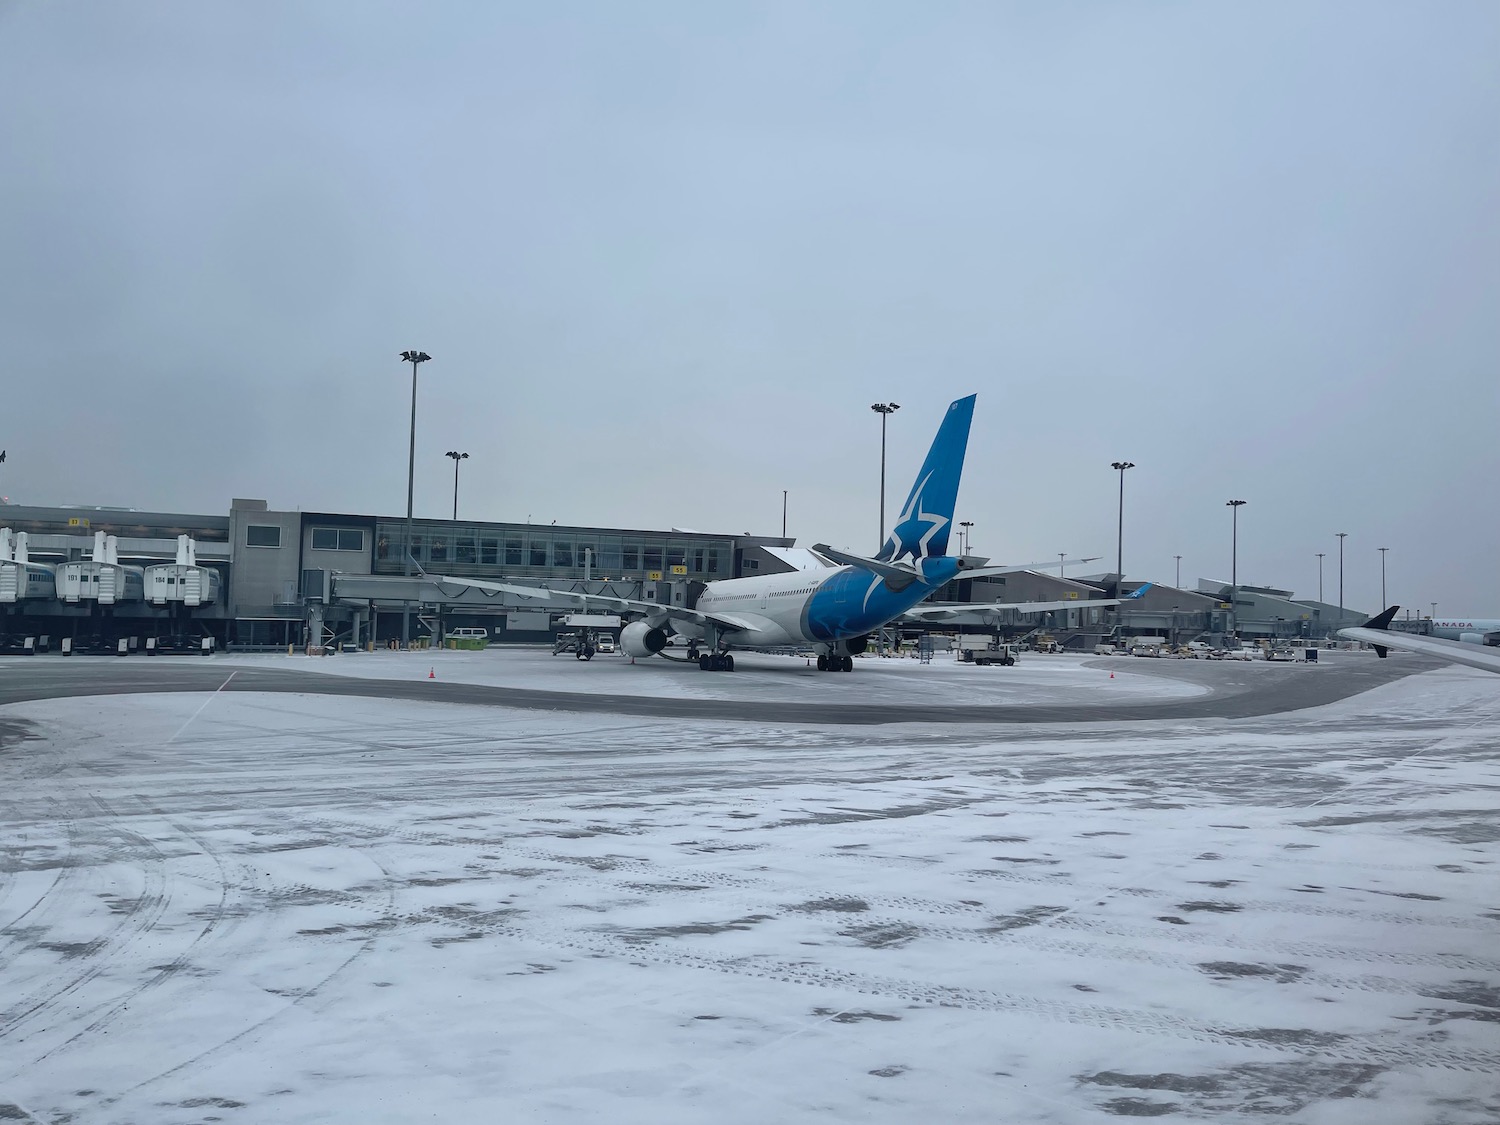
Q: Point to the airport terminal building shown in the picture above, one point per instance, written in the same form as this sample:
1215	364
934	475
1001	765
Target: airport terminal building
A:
258	577
270	569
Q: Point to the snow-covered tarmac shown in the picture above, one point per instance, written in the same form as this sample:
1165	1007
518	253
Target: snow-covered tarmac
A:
303	908
764	677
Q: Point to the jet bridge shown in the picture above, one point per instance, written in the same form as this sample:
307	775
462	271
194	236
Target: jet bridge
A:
20	578
102	579
333	594
183	582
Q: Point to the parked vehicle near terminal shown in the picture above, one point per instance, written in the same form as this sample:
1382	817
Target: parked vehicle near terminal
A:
982	650
1106	650
583	644
1147	646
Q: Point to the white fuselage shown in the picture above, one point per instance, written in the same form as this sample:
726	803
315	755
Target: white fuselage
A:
773	606
829	608
1465	628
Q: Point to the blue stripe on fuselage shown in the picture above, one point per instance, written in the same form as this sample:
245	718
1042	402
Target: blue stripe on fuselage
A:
854	602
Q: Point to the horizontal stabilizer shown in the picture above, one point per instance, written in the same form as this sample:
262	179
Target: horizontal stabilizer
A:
897	575
1017	568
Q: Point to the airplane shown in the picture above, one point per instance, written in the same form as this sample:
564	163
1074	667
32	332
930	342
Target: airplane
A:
1377	632
834	610
1470	630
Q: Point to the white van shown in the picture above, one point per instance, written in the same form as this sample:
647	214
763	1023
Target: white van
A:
1105	650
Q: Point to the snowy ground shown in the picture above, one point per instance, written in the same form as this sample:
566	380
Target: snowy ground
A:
305	909
1034	678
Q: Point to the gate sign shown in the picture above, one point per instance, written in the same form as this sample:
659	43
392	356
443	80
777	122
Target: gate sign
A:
679	570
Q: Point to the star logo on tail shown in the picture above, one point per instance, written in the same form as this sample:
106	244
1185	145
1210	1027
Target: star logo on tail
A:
914	529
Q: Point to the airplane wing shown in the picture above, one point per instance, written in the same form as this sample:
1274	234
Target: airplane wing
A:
956	609
1378	633
944	612
993	571
601	601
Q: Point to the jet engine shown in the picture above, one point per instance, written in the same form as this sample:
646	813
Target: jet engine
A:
857	645
1490	639
640	639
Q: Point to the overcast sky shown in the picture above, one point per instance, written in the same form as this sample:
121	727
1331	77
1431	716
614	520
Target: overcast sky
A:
665	256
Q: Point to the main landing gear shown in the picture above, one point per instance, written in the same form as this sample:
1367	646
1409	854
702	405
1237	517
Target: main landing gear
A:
835	662
716	662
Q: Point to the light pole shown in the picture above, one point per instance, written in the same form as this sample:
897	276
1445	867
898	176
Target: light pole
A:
1179	571
457	457
1434	610
1120	528
1234	507
783	513
1341	535
1382	551
1320	574
885	410
1061	555
966	524
413	358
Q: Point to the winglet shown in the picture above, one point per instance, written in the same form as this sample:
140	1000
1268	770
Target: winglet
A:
1382	622
1138	592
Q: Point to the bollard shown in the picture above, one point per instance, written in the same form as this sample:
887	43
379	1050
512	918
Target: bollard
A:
124	648
289	651
67	646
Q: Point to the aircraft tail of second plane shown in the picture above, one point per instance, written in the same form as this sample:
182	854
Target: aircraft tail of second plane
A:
921	529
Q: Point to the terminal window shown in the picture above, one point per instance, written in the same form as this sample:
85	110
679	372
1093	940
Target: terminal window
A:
538	553
631	557
513	552
262	535
338	539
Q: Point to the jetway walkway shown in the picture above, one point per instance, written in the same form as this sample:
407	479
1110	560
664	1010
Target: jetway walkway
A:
419	589
357	601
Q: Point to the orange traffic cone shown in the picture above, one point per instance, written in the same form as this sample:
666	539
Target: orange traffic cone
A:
432	674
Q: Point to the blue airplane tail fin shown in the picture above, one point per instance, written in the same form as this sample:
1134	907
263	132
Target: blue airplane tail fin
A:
922	527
